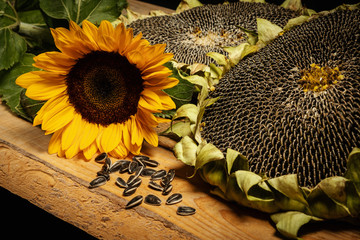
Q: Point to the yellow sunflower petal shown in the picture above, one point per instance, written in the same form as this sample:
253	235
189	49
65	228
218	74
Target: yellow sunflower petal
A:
135	57
120	151
58	120
161	84
55	142
29	78
111	137
48	106
150	136
90	150
126	135
151	98
45	90
90	30
70	132
136	137
90	132
146	117
166	101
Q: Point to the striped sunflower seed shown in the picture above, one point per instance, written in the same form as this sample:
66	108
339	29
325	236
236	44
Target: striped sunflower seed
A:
152	200
141	157
155	186
132	167
167	189
121	182
101	157
185	210
150	162
158	175
97	182
135	182
174	198
129	191
125	166
147	172
116	166
134	202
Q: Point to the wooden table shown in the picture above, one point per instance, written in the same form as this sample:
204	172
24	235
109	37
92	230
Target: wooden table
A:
60	186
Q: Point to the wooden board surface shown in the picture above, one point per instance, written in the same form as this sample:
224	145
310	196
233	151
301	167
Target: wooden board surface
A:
60	186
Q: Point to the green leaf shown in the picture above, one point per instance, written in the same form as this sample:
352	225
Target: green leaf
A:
179	129
181	93
267	31
79	10
32	16
8	17
207	153
26	5
252	191
185	151
11	92
328	199
289	223
235	161
189	111
287	192
12	48
214	173
29	106
353	168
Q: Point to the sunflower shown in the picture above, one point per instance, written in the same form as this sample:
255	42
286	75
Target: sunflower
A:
102	89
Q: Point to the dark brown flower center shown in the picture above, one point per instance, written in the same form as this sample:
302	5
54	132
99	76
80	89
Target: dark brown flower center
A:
104	87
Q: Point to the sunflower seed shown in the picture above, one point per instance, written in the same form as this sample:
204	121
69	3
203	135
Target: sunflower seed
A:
167	189
132	167
121	182
97	182
130	179
141	157
116	166
108	162
140	163
152	200
138	170
135	182
134	202
104	174
174	198
158	175
150	162
165	181
185	211
171	174
147	172
129	191
101	157
155	186
125	166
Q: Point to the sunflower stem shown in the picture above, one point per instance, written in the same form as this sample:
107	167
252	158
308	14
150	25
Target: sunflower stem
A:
35	32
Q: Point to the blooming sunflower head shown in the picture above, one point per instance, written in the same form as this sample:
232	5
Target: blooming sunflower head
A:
101	90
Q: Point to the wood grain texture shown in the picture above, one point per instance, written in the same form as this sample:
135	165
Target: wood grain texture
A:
60	186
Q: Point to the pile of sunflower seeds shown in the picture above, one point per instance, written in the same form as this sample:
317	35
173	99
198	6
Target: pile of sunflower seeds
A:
140	166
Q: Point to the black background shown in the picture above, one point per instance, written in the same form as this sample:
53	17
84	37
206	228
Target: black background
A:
20	218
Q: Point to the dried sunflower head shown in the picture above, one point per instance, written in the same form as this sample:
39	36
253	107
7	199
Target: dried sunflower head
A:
293	108
191	34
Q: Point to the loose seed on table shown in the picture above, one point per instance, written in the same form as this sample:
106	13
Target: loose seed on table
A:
125	166
167	189
138	170
150	162
121	182
116	166
174	198
134	202
158	175
132	167
140	157
135	182
152	200
147	172
97	182
101	157
129	191
155	186
185	211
